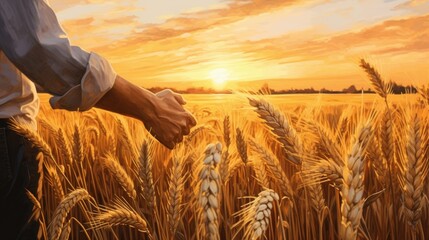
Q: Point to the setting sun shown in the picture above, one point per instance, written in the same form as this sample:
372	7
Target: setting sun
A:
219	77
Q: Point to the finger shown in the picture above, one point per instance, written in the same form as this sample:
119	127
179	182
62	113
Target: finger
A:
164	92
170	145
186	130
180	138
179	98
191	119
167	143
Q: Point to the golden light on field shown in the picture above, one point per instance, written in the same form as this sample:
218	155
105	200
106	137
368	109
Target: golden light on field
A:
219	77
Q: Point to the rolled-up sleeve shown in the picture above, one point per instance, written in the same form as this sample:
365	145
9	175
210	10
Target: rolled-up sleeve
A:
34	41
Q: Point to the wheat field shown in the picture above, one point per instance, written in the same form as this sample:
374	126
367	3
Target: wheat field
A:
257	171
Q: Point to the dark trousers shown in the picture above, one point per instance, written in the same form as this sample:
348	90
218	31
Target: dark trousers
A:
18	173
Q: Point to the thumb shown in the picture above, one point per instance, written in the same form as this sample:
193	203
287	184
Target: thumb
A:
179	99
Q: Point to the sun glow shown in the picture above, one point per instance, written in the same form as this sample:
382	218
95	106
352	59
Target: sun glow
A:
219	77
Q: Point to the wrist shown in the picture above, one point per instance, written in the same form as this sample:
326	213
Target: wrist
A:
147	105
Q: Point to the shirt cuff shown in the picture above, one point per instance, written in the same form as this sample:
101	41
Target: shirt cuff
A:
97	81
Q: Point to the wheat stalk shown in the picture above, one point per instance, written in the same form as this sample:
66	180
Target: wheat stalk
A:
424	93
193	133
110	162
241	146
40	166
224	166
120	214
78	145
414	174
55	181
125	136
100	122
27	132
95	130
353	188
209	191
331	170
273	165
232	170
48	127
64	146
387	138
145	171
315	191
255	217
281	128
65	232
227	131
380	86
329	145
62	210
175	190
261	174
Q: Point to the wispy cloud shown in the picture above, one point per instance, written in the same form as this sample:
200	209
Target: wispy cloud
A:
287	43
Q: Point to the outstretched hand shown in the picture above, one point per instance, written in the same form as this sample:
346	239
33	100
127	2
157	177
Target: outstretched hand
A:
169	121
162	114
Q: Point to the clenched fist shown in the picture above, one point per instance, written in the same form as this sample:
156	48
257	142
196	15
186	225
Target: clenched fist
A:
162	114
169	121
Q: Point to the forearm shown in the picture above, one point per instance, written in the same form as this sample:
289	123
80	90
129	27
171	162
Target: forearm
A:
128	99
32	38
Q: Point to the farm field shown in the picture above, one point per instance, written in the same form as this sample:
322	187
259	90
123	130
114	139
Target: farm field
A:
268	167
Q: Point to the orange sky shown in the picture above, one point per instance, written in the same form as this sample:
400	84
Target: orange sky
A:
287	43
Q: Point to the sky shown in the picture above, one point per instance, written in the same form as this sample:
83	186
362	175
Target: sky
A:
242	44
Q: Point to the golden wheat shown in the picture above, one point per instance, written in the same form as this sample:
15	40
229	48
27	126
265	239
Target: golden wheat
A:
62	211
255	217
209	191
175	206
281	128
414	174
110	163
352	189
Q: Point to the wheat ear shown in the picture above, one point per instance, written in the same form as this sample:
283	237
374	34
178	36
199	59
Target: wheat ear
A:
414	174
375	78
65	232
33	137
255	217
209	191
331	170
78	144
111	163
145	171
281	128
261	174
273	165
55	181
241	146
353	187
224	165
227	131
424	93
61	212
120	214
64	145
175	190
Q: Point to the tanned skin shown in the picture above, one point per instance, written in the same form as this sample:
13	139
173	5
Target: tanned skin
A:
162	113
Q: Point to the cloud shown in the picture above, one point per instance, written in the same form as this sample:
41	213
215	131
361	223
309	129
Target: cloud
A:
188	23
183	49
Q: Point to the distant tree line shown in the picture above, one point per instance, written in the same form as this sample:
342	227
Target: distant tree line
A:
395	89
265	89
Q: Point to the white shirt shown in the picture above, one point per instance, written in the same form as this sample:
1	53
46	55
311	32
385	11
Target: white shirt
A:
33	45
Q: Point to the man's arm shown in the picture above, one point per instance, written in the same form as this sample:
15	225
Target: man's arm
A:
162	113
33	40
